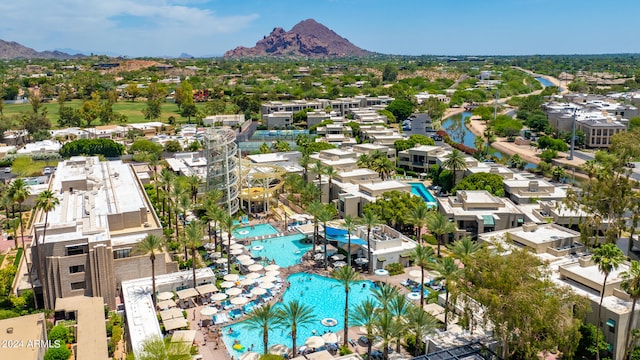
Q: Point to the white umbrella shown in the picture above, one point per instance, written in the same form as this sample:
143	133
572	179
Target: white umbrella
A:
268	278
255	267
236	251
227	284
243	257
221	261
272	273
225	243
245	282
318	256
267	285
208	246
241	300
253	275
424	279
233	291
415	273
231	277
314	342
247	262
279	349
236	246
272	267
258	291
319	248
219	296
165	295
208	311
339	263
215	254
338	257
250	355
330	338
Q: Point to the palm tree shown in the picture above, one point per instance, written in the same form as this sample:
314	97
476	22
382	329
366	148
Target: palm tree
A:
346	276
386	327
384	294
304	162
19	193
439	225
262	319
318	168
331	173
227	223
631	285
454	161
418	216
218	216
365	315
46	202
350	226
328	213
607	257
154	161
167	180
398	307
449	272
193	240
370	220
292	315
182	204
422	256
315	208
464	249
151	244
420	323
156	348
194	182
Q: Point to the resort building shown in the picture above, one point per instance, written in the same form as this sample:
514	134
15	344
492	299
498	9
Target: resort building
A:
368	149
340	106
540	239
491	168
287	160
40	147
233	120
340	160
477	211
525	191
20	330
350	197
278	120
221	152
424	96
89	329
90	236
380	135
387	246
420	158
187	164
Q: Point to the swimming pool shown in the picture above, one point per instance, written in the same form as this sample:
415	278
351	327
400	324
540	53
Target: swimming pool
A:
284	250
420	190
258	230
312	290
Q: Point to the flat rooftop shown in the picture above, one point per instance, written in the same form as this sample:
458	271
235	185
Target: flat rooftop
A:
20	330
92	334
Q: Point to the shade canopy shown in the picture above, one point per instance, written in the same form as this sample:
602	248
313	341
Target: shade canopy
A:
314	342
173	324
187	293
255	267
219	296
173	313
250	355
268	279
222	261
272	273
233	291
267	285
253	275
183	336
338	257
166	304
231	277
227	284
279	349
245	282
339	264
243	257
165	295
247	262
208	311
415	273
330	338
240	300
235	251
236	246
258	291
272	267
206	289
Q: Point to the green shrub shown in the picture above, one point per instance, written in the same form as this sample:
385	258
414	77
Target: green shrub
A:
271	357
395	268
59	332
430	239
59	353
344	350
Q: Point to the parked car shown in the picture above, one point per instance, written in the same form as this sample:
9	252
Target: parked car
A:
47	171
7	170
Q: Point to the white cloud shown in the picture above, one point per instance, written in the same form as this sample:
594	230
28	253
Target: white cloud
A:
131	27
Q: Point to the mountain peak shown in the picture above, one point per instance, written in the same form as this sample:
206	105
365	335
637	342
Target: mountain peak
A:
307	38
14	50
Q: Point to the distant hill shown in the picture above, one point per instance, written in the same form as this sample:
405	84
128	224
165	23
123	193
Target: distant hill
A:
308	38
13	50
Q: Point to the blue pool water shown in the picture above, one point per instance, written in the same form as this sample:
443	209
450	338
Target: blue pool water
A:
326	298
258	230
284	250
420	190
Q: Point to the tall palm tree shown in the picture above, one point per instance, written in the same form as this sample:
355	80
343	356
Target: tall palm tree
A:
193	240
154	162
449	272
423	257
262	319
304	162
218	216
346	276
181	203
47	201
370	220
167	180
328	213
608	258
194	182
384	294
631	285
318	168
365	315
350	226
418	216
292	315
399	307
439	225
464	249
156	348
420	323
315	208
454	161
331	173
19	192
151	245
386	328
227	223
210	207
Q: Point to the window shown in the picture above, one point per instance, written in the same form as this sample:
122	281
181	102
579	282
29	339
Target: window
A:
77	285
76	269
77	249
122	253
611	324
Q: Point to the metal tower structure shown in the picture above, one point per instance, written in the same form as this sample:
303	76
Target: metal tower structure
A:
221	152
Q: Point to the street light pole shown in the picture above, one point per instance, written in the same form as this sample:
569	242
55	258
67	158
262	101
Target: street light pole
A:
573	134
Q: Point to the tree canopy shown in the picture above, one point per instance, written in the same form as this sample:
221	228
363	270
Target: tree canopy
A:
393	206
482	181
90	147
400	108
412	141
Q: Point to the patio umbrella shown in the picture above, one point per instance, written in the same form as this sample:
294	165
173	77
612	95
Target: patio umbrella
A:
424	280
250	355
247	262
240	300
215	254
165	304
233	291
232	277
338	257
272	273
258	291
415	273
255	267
339	263
330	338
221	261
208	311
225	243
165	295
236	251
208	246
227	284
314	342
219	296
253	275
236	246
279	349
268	279
272	267
319	248
243	257
318	257
267	285
245	282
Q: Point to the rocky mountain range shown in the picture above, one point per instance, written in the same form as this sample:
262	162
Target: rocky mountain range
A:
308	38
13	50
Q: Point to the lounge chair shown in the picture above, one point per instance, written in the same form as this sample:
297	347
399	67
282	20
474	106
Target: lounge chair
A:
352	342
406	282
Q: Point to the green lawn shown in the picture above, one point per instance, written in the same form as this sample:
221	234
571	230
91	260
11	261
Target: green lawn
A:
133	111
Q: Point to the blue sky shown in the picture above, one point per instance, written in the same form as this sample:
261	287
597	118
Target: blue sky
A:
409	27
